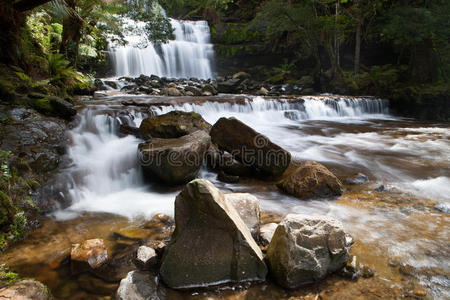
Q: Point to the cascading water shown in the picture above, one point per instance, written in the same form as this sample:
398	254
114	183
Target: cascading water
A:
190	55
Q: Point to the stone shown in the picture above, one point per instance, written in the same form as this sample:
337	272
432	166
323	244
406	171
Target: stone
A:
229	87
90	254
224	161
262	91
194	90
210	89
241	76
304	249
146	258
311	180
172	91
111	84
174	124
211	244
266	232
357	179
138	285
100	94
224	177
174	161
354	269
248	209
250	147
26	290
95	285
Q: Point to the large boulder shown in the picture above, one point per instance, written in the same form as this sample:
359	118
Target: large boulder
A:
241	76
230	86
224	161
26	290
173	125
211	244
311	180
250	147
139	285
174	161
248	209
304	249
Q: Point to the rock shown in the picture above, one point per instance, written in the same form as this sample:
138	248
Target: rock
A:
266	232
304	249
172	91
194	90
311	180
118	266
380	189
100	94
125	129
111	84
174	161
190	94
262	91
26	290
354	269
222	176
229	87
139	285
357	179
211	244
63	108
209	88
248	209
241	76
250	147
95	285
173	125
89	254
145	89
224	161
146	258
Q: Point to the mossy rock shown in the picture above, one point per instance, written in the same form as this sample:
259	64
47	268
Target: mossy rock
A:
52	106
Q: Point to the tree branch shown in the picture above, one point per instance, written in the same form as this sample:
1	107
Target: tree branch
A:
24	5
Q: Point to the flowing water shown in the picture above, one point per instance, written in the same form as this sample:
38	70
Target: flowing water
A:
190	55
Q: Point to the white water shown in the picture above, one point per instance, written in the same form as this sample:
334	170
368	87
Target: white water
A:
190	55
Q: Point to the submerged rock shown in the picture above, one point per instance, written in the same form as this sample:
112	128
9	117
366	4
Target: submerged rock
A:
304	249
90	254
224	177
174	161
146	258
309	180
250	147
357	179
173	125
139	285
211	244
26	290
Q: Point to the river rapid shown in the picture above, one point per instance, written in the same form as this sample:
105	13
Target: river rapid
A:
399	219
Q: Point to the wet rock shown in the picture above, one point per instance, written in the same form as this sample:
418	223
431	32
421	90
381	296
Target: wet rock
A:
211	244
90	254
262	91
304	249
118	266
354	269
125	129
380	189
173	125
311	180
229	87
248	208
111	84
96	285
26	290
357	179
138	285
224	177
100	94
250	147
146	258
145	89
224	161
158	246
174	161
135	234
172	91
241	76
209	88
266	232
194	90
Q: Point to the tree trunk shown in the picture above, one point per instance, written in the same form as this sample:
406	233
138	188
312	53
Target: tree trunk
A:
358	44
336	40
71	35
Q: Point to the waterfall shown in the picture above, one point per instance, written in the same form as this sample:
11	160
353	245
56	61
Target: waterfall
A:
190	55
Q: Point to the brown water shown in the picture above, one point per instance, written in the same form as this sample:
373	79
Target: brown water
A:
402	233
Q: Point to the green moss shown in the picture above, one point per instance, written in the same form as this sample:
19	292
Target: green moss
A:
43	106
7	276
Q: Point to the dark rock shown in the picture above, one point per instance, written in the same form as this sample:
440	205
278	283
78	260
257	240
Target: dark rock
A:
194	90
211	244
173	125
209	88
224	161
241	76
229	86
357	179
63	108
380	189
311	180
146	258
250	147
174	161
304	249
222	176
129	130
95	285
111	84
